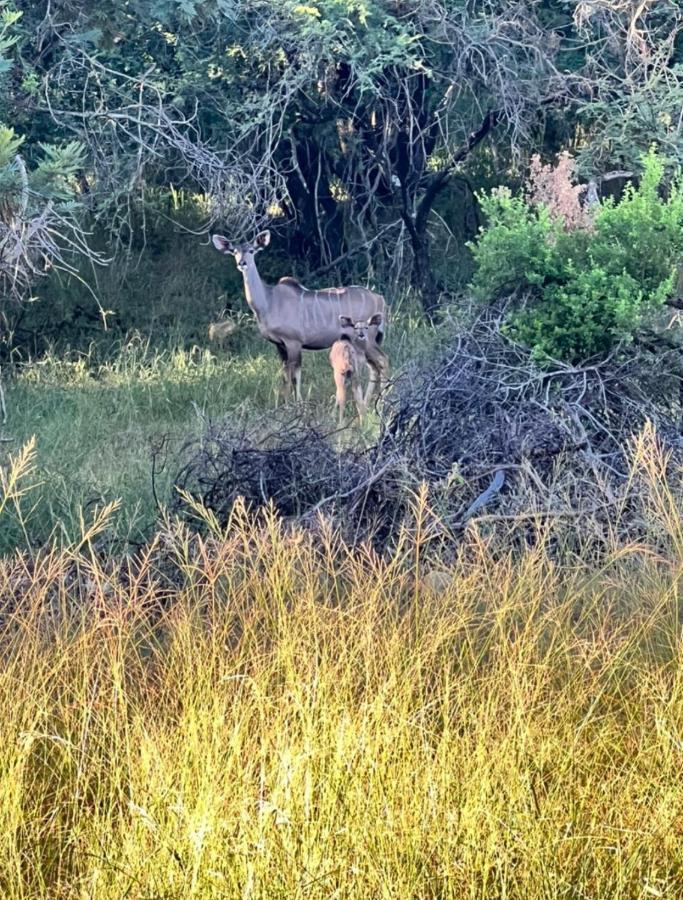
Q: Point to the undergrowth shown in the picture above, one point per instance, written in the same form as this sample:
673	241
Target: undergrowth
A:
263	712
109	419
589	275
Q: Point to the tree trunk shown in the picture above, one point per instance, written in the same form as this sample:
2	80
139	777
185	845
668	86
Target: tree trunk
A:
423	278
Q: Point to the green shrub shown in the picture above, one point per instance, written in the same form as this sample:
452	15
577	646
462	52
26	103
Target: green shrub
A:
587	288
583	317
515	248
642	234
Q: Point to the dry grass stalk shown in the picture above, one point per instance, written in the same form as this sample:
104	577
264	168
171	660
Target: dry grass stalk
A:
258	713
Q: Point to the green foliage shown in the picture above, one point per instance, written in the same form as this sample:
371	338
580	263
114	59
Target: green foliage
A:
583	316
53	175
590	288
9	18
516	247
642	234
9	145
339	116
10	176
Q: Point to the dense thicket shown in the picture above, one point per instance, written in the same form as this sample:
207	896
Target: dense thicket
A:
358	129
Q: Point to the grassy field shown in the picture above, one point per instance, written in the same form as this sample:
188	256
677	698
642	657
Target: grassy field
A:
97	415
250	715
254	714
96	425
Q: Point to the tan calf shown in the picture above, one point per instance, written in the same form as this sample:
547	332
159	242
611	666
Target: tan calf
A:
363	337
348	364
352	355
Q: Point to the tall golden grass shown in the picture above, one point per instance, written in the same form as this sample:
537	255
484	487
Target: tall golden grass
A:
256	713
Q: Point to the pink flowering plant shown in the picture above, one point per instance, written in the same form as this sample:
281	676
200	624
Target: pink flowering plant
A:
589	275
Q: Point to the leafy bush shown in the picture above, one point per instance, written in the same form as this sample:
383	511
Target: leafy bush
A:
515	248
41	222
642	234
582	317
591	283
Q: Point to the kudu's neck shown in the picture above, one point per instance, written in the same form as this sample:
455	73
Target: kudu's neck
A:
256	291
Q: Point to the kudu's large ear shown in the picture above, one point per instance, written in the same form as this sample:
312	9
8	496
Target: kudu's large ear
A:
376	319
262	240
222	244
345	322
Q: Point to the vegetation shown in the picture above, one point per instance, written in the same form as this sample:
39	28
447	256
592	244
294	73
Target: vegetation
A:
262	712
592	276
245	653
359	130
100	417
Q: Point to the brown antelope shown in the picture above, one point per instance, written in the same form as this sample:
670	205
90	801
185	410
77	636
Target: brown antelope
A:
295	318
348	364
361	338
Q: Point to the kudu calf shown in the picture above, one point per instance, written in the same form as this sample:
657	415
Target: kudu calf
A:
348	364
348	357
295	318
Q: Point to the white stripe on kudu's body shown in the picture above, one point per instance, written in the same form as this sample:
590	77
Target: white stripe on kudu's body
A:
295	318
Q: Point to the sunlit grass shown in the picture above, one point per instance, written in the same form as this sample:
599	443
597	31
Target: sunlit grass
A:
99	415
97	424
254	714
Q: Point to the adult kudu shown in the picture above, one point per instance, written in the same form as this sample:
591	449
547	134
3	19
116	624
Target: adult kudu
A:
295	318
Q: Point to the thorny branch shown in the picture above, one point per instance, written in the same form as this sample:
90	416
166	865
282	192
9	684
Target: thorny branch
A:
484	427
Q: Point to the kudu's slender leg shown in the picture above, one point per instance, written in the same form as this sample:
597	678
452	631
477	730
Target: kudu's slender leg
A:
294	362
378	363
297	379
359	400
340	382
285	386
290	354
372	381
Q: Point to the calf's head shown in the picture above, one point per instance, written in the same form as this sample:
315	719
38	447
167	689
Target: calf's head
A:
360	329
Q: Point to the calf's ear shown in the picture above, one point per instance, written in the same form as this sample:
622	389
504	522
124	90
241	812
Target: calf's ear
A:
345	322
376	319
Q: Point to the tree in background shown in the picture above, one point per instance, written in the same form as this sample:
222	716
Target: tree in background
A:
342	123
43	225
633	77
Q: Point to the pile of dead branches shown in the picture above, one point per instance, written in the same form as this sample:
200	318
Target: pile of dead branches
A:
492	434
278	459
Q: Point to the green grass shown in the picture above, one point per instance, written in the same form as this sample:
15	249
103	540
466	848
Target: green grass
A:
97	414
95	426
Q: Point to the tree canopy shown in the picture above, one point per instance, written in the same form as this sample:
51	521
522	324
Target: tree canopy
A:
343	124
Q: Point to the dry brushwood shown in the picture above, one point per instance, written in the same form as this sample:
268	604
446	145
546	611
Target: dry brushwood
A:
490	432
278	459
